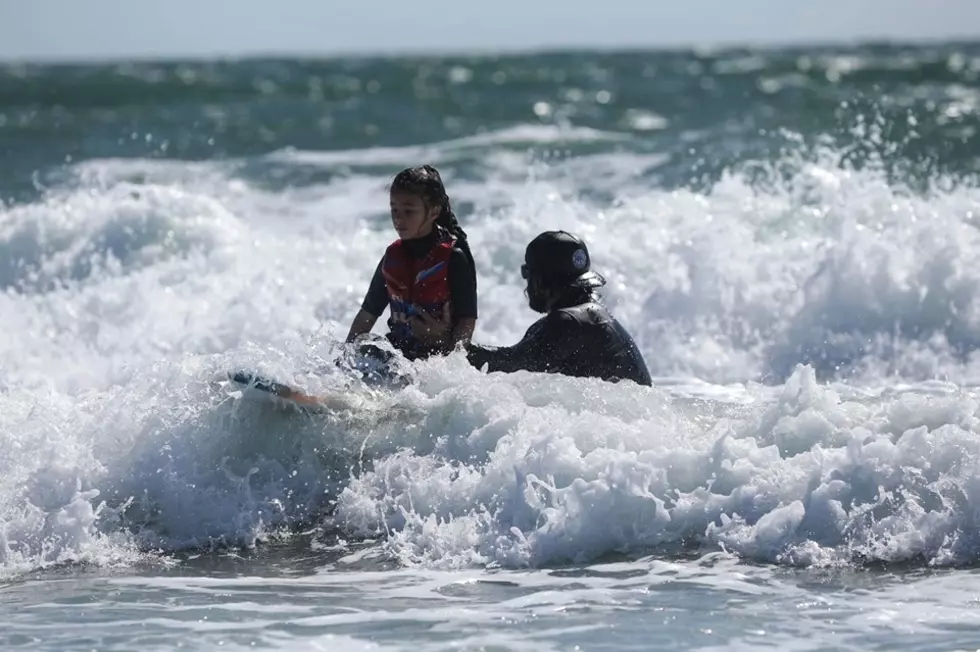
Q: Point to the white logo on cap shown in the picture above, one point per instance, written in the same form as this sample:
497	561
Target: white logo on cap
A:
580	259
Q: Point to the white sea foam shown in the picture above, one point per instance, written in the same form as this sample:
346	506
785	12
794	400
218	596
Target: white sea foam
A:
133	287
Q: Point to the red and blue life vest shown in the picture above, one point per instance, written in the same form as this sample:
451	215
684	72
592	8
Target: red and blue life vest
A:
416	282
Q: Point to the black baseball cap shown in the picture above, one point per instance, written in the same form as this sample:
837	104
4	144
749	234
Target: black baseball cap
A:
560	258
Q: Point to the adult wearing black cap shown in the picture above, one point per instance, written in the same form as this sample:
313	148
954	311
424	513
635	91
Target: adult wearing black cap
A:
577	336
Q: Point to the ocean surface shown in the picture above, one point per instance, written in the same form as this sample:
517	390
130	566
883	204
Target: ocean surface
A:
790	234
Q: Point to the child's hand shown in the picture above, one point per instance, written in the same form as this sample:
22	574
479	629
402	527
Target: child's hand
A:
429	330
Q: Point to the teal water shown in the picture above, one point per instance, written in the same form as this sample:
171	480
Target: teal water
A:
790	234
705	112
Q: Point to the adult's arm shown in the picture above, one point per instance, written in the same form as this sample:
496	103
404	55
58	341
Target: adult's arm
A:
543	348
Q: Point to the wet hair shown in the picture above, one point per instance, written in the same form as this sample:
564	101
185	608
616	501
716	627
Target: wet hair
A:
426	182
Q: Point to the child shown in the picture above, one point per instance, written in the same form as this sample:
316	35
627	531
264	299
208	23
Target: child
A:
427	278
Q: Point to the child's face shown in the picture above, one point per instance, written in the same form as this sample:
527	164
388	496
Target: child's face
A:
410	217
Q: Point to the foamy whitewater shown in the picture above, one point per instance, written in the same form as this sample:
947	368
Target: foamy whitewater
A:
805	474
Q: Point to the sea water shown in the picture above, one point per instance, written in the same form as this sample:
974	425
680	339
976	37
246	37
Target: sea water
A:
790	236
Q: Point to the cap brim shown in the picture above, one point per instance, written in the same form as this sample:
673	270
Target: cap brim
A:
589	280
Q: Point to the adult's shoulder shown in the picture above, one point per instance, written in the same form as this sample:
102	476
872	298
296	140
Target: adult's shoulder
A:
558	322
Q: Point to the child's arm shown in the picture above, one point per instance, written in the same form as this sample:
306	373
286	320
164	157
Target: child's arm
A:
464	330
462	283
372	307
363	323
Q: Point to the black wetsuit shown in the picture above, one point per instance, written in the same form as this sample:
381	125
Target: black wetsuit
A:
578	337
462	290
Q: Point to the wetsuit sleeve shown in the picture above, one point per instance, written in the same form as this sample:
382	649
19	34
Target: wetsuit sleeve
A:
543	348
376	299
462	286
